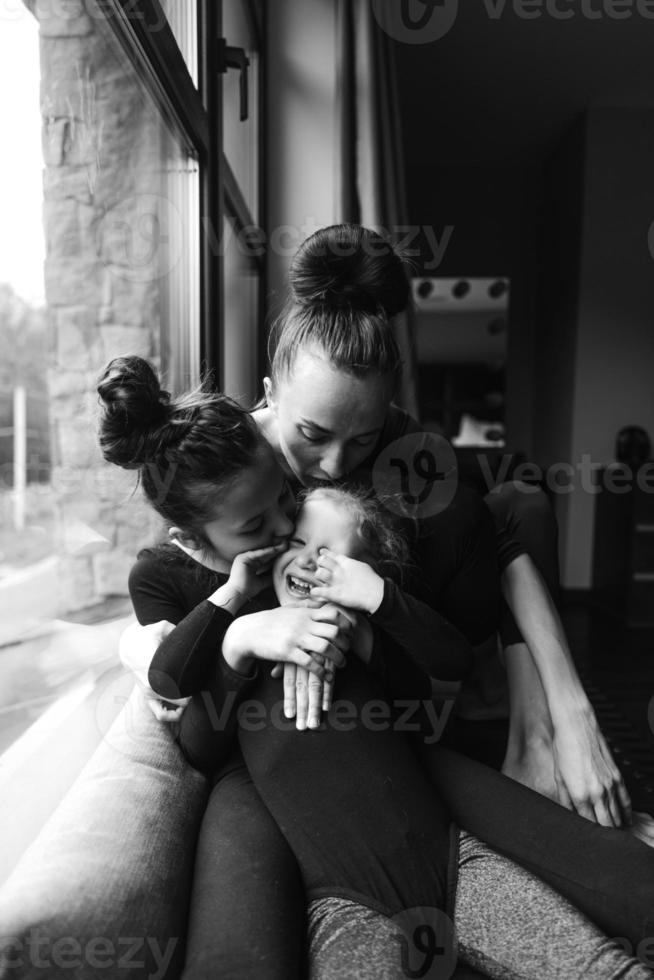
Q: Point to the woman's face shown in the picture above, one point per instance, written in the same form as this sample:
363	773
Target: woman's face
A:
321	523
328	420
254	511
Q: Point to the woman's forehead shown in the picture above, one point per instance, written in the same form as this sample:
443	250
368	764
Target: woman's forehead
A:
333	398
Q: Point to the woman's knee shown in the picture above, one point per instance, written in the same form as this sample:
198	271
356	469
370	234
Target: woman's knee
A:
518	504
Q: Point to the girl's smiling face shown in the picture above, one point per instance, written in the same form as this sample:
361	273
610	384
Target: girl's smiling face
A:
321	523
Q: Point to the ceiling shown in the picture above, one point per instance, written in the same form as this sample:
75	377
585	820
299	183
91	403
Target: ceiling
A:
501	89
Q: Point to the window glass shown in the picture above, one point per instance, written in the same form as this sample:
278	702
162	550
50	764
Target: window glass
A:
182	15
112	269
240	138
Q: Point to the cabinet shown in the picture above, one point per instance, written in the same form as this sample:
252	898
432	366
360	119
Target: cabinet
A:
623	549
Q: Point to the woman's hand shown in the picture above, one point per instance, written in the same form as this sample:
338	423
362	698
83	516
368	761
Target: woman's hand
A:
574	768
586	774
250	572
313	638
348	582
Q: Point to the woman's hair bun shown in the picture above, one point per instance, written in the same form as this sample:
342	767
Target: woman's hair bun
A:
134	406
348	267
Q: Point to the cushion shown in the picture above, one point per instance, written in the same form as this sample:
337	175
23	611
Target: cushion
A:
104	889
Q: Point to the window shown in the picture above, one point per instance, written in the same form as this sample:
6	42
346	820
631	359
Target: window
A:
242	238
149	178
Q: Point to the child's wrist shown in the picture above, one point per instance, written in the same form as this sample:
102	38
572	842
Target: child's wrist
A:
234	654
374	596
228	597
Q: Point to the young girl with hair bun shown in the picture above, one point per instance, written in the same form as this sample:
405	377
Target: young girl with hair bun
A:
371	836
329	415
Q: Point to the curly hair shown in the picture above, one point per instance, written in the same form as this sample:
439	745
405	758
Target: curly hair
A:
383	541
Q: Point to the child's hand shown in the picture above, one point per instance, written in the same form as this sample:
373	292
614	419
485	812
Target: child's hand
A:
250	572
306	696
312	638
348	582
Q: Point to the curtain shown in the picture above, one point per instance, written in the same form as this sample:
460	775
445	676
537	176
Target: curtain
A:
372	181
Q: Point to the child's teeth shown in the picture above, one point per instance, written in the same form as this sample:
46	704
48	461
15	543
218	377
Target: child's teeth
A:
297	584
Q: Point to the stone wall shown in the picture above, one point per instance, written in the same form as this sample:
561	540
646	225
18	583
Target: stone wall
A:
103	147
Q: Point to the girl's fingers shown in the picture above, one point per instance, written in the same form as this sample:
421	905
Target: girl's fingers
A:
304	659
301	698
331	613
341	635
324	648
323	574
326	559
314	713
290	707
327	692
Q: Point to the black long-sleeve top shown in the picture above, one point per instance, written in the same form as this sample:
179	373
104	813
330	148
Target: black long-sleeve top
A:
166	584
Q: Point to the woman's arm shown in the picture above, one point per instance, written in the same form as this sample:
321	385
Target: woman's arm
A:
583	770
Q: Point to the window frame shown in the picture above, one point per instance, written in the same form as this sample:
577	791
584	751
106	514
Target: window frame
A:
197	117
234	205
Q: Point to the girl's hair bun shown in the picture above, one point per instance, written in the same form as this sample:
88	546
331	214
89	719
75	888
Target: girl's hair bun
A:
348	267
134	408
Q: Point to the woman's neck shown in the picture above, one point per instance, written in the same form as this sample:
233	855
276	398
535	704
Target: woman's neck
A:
267	423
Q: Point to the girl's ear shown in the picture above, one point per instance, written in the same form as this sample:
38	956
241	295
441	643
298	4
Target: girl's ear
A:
269	393
187	541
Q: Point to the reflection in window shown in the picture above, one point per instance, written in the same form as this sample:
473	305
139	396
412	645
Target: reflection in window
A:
120	224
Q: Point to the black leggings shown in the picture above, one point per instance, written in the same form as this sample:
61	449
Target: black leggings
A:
248	907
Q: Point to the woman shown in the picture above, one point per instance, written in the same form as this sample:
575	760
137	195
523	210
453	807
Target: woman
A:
329	415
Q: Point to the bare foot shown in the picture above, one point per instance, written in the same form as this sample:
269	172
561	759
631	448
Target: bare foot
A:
642	827
533	766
